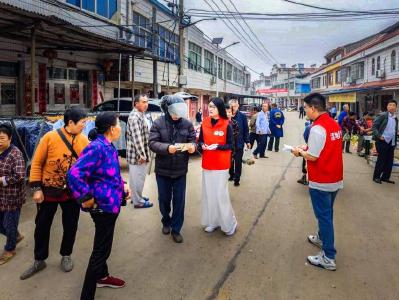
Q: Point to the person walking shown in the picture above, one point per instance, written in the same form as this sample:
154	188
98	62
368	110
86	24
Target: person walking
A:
172	138
243	140
276	128
12	192
301	112
252	127
137	151
236	132
325	168
198	117
216	142
349	128
96	184
262	130
56	153
385	133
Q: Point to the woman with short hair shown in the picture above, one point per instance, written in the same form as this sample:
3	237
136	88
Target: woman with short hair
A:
96	183
216	142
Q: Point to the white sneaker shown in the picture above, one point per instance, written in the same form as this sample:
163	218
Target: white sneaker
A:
322	261
232	231
315	240
210	229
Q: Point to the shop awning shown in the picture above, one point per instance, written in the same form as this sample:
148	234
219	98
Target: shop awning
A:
56	33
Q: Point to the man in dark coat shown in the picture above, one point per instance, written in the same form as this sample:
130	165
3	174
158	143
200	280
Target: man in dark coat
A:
276	127
242	140
172	138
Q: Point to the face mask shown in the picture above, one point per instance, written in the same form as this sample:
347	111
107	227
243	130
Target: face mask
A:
178	110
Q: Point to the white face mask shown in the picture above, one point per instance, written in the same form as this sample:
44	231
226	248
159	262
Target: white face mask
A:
178	110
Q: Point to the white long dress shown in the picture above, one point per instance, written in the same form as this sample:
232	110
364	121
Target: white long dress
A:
216	206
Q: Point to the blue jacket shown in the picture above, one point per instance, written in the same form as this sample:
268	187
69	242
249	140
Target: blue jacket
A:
341	117
308	126
276	118
243	135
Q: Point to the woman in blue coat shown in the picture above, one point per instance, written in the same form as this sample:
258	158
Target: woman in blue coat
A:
276	127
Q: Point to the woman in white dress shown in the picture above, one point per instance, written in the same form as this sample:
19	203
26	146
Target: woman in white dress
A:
216	142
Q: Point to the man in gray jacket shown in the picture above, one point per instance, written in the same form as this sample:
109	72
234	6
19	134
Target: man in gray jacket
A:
385	133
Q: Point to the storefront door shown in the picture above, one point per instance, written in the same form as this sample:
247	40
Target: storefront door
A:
8	96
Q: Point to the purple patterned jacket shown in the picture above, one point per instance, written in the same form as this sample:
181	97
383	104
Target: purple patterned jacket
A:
96	174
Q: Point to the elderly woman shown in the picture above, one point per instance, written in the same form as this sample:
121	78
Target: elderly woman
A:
216	142
96	183
12	191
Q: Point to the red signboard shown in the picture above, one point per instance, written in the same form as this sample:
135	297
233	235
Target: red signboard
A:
271	91
27	98
42	88
94	88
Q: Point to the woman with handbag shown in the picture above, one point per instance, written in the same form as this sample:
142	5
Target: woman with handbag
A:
216	141
96	183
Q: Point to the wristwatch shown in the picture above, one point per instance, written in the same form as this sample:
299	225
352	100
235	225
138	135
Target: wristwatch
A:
36	188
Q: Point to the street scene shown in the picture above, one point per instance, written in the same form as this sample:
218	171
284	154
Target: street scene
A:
158	149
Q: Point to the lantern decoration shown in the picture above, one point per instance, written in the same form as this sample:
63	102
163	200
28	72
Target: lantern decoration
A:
50	54
107	64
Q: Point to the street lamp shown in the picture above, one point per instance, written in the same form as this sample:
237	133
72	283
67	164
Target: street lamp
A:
217	42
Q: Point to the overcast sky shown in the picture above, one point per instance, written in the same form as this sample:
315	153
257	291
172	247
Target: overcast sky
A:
294	42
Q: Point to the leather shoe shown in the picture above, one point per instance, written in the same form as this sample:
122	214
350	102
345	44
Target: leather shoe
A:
236	183
165	230
377	180
177	237
388	181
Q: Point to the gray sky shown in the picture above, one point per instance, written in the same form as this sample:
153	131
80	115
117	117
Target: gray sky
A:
294	42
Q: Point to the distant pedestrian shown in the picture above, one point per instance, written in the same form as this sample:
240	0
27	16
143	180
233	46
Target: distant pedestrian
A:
236	132
12	191
198	117
276	128
301	112
56	153
243	140
253	137
325	167
137	151
172	138
343	114
96	183
262	131
216	141
349	128
385	133
333	112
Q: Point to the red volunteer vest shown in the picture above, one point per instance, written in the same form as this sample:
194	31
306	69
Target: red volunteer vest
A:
215	159
328	168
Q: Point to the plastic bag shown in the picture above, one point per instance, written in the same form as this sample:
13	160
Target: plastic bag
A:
248	158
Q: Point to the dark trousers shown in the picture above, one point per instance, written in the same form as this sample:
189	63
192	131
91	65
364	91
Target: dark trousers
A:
252	138
44	219
346	145
236	165
383	166
172	191
261	145
97	267
304	169
301	114
276	144
9	227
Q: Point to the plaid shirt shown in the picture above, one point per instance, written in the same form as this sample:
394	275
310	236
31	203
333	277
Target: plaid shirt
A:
137	135
12	184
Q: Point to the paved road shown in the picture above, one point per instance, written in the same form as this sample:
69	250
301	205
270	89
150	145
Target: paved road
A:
266	259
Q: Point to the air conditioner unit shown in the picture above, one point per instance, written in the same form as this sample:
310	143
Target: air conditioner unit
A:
380	74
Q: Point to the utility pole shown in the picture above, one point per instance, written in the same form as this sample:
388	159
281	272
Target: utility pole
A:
33	69
154	52
181	47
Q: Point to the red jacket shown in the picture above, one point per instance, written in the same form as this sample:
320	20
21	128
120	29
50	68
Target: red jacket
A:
215	159
328	168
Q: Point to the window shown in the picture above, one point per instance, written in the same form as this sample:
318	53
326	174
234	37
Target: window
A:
88	5
105	8
56	73
373	66
229	71
194	56
378	63
8	69
330	78
235	75
59	93
292	85
220	66
393	60
8	93
142	31
357	71
315	83
74	2
74	93
208	62
338	77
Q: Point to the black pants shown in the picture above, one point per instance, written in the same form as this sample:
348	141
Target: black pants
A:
261	145
383	167
304	169
301	114
97	267
172	191
276	144
252	138
346	145
44	220
236	165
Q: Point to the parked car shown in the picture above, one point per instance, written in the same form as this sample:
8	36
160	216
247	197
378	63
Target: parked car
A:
292	108
249	109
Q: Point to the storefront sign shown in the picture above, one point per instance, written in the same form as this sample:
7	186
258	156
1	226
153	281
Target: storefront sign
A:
347	97
94	88
271	91
42	88
27	97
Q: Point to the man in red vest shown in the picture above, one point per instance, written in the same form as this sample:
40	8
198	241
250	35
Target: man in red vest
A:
325	169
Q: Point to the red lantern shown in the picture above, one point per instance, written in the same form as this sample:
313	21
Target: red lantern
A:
50	54
107	64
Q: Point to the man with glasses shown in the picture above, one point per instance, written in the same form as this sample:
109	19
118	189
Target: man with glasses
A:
325	170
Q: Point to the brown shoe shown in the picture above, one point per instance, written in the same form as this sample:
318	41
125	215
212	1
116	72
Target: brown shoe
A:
177	237
6	256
